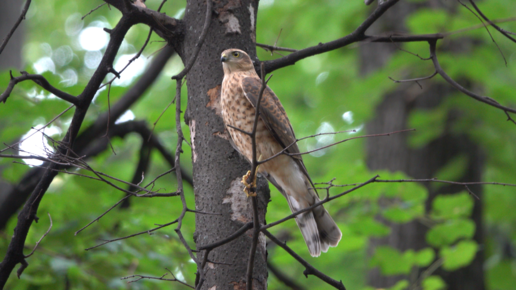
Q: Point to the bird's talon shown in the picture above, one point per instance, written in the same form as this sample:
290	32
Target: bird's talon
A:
249	188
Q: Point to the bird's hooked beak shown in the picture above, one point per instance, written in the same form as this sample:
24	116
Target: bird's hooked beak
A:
223	58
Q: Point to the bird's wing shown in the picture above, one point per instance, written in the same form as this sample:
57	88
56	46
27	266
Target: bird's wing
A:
274	116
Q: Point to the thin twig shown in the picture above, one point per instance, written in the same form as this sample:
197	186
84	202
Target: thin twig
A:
487	29
503	20
415	80
501	30
327	199
273	48
93	10
292	283
36	130
232	237
140	277
252	181
133	235
254	244
310	270
447	78
44	235
20	19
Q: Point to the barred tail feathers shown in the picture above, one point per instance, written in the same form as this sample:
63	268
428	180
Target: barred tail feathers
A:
308	227
329	232
318	228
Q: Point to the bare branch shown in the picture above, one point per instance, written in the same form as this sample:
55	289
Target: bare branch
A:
133	235
20	19
447	78
273	48
352	138
487	29
24	263
42	82
503	20
180	138
254	244
44	235
310	270
93	10
162	278
251	179
327	199
501	30
415	80
27	215
355	36
233	236
284	278
36	130
136	56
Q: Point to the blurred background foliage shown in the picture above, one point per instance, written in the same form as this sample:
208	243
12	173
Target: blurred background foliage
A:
323	93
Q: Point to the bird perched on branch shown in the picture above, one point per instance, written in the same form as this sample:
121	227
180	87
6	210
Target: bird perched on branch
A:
239	96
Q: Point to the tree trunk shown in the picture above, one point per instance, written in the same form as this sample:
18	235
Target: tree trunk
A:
394	154
10	10
217	167
11	57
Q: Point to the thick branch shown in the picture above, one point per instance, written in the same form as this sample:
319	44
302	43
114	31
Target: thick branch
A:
447	78
90	143
166	27
42	82
27	215
357	35
310	270
502	31
292	283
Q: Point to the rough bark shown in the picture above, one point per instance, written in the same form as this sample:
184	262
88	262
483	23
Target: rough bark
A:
394	154
9	13
217	167
11	57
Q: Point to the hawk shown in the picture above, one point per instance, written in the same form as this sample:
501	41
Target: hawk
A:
240	91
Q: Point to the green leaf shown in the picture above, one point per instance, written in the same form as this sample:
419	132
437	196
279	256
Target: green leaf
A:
501	276
370	227
458	256
401	285
398	215
450	231
433	283
429	125
391	261
451	206
14	172
424	257
454	169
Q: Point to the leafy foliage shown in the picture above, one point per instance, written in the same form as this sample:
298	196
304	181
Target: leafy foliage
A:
321	93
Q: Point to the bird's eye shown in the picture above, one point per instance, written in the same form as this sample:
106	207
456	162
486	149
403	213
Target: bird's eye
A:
236	54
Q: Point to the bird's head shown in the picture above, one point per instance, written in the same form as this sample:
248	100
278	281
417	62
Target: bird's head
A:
234	60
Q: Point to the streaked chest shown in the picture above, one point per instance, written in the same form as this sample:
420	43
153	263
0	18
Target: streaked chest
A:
238	112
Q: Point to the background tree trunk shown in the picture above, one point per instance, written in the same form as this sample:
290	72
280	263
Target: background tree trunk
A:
217	167
11	56
394	154
10	12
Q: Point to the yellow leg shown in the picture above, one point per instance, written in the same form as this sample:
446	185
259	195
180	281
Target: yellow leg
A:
249	186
